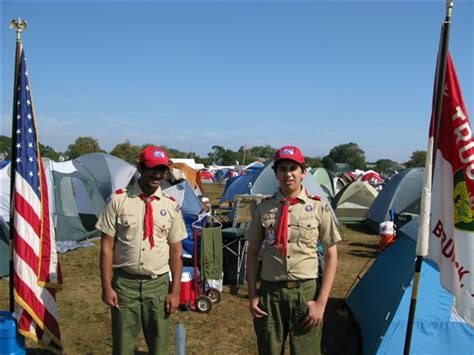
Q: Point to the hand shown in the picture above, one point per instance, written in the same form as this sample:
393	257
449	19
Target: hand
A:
109	296
255	310
172	302
314	316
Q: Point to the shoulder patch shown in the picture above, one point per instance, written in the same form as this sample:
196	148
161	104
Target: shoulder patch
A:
120	191
170	197
315	197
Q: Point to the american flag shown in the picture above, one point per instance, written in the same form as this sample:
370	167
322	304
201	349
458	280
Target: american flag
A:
37	274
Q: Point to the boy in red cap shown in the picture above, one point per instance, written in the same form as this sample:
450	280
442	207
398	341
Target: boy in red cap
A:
289	225
142	229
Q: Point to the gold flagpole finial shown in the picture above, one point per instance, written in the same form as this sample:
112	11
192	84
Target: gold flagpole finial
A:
449	8
19	25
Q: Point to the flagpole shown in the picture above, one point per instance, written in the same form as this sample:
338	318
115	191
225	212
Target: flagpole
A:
438	100
19	25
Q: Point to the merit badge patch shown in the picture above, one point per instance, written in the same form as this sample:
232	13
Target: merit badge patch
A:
308	208
163	212
270	238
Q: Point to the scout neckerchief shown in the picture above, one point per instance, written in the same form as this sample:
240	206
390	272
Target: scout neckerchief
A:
282	234
149	224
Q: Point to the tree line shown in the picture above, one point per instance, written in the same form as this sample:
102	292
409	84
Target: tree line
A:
349	154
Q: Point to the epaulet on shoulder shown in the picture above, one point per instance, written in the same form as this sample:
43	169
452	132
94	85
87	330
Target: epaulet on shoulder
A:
120	191
315	197
169	196
268	197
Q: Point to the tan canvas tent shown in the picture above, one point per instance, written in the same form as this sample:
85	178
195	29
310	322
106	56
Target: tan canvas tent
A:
352	203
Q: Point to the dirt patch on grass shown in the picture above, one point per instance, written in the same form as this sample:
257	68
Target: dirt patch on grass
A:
228	328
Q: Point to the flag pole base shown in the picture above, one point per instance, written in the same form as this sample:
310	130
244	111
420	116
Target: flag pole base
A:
11	342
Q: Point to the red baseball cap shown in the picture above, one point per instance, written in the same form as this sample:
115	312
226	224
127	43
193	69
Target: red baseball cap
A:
289	152
153	156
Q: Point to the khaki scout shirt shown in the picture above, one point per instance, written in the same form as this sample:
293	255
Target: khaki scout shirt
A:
123	218
309	220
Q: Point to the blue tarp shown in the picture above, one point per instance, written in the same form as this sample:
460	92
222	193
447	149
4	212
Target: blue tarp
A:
188	243
381	300
240	185
222	174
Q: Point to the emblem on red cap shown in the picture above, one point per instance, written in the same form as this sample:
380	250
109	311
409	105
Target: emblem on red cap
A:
152	156
158	154
289	152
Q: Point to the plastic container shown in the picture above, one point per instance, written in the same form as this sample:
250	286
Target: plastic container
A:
11	342
187	295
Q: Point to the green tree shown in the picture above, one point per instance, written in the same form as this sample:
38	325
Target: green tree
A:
329	163
386	166
349	153
417	159
313	162
83	145
46	151
356	162
5	147
223	156
127	151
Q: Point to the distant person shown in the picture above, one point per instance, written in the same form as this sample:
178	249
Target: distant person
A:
206	205
289	225
142	229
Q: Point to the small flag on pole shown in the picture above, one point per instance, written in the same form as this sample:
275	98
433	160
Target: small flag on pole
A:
447	237
37	275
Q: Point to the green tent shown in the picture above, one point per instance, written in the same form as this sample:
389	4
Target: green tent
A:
352	203
324	179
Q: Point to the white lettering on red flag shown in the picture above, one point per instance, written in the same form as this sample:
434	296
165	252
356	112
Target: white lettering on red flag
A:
37	275
451	237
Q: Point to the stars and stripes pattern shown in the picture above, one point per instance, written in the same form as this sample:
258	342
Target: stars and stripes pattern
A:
37	274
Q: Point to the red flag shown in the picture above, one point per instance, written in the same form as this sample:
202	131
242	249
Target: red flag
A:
450	238
37	275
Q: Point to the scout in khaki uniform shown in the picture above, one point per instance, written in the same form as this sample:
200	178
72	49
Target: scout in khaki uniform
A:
289	225
142	229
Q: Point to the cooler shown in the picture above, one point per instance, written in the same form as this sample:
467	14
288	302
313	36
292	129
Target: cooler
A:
11	342
187	296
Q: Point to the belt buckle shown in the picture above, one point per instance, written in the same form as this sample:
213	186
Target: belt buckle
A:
153	277
292	284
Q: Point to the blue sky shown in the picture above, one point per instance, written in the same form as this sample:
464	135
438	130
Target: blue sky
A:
195	74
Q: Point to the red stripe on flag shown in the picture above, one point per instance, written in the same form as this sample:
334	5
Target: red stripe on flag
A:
45	251
24	209
26	252
37	307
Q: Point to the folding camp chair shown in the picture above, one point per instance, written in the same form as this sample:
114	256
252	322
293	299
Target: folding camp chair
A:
233	238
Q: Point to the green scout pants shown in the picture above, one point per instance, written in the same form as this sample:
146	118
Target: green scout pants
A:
211	253
141	304
286	308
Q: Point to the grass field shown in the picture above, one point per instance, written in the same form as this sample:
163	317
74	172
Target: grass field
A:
227	329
